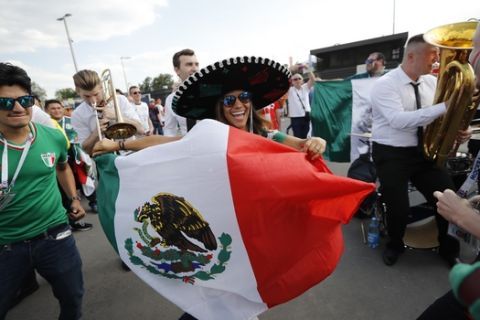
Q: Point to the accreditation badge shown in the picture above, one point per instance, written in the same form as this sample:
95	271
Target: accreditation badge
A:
6	196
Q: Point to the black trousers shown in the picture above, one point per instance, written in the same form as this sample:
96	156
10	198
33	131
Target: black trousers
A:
396	166
300	126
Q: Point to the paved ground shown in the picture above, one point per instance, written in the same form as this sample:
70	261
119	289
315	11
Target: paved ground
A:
362	287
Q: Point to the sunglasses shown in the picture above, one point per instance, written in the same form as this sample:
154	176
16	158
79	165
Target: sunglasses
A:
138	92
9	103
244	97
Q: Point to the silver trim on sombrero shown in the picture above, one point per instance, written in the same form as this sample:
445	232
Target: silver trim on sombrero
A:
227	62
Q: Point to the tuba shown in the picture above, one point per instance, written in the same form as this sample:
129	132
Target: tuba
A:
119	129
456	81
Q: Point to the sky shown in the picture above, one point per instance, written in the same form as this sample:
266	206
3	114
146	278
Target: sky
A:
148	32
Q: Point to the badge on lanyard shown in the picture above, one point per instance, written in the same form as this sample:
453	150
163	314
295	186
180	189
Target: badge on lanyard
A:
6	194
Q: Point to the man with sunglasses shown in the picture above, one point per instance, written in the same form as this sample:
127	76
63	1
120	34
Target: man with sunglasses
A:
299	104
142	109
375	65
185	64
34	231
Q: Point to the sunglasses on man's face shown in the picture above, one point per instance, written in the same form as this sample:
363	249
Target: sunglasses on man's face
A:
9	103
138	92
244	97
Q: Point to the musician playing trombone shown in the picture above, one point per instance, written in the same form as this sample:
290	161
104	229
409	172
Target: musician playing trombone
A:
84	119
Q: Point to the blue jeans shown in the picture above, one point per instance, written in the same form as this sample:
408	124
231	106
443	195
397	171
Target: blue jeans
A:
58	261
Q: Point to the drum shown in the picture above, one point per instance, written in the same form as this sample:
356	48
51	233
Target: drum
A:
422	234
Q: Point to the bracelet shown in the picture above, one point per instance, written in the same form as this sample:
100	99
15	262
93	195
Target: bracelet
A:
75	198
121	145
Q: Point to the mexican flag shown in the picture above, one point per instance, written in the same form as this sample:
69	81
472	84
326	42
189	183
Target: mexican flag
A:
342	115
224	223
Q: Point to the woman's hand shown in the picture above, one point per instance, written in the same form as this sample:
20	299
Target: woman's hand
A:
314	146
105	146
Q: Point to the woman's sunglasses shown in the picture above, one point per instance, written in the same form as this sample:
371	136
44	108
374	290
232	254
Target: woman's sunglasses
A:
244	97
9	103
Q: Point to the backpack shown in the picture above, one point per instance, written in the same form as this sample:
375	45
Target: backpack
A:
363	169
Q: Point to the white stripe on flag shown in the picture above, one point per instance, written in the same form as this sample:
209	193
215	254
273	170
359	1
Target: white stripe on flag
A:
203	181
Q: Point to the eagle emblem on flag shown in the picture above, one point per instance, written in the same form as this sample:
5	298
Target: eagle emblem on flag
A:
176	240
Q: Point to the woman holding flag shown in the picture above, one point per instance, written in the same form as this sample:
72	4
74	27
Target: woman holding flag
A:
229	91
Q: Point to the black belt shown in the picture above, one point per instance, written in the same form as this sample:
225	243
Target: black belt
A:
51	232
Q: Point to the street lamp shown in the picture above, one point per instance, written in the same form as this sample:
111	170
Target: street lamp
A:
70	41
124	74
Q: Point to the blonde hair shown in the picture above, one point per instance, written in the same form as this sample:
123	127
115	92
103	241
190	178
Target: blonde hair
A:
86	80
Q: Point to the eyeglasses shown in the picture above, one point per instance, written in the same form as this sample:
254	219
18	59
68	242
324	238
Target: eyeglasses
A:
244	97
295	79
137	92
370	61
9	103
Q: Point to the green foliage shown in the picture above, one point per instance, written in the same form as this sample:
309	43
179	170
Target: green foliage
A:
161	82
65	93
39	91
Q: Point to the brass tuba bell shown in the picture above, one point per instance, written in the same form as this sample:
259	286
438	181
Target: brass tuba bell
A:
456	81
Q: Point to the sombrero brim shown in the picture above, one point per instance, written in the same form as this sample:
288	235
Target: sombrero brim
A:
265	79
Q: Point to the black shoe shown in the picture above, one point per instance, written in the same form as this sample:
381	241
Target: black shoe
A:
24	292
390	256
450	258
125	267
449	250
81	226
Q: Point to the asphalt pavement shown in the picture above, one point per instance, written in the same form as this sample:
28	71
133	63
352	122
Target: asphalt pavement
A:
361	287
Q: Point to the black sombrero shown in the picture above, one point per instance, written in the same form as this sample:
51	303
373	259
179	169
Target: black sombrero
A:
265	79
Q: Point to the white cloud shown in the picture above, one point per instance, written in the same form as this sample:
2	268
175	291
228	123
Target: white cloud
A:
29	25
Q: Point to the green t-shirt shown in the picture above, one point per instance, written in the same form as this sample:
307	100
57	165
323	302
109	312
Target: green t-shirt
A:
37	204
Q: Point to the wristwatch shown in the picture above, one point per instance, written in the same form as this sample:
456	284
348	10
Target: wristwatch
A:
75	198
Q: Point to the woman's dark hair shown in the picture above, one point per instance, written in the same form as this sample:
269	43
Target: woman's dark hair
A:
11	75
259	124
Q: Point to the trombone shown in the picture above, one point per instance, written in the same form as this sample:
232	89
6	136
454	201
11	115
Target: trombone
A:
120	129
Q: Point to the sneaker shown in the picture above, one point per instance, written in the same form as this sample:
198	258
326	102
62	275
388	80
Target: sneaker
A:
81	226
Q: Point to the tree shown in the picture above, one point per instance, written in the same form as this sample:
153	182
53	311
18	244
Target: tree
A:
146	85
65	93
39	91
161	82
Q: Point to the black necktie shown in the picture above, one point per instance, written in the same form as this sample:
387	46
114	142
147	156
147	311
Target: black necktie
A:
419	105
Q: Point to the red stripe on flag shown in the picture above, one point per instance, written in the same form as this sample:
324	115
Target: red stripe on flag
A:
289	213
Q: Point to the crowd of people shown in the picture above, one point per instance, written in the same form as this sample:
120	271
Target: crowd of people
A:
47	154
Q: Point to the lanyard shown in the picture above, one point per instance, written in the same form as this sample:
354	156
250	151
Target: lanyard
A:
26	148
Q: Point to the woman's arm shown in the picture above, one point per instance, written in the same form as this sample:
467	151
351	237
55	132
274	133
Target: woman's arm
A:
107	145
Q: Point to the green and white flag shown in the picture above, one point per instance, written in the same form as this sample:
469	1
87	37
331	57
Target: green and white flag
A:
342	115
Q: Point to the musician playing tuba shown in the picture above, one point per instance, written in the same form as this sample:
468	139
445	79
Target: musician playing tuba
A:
94	112
401	105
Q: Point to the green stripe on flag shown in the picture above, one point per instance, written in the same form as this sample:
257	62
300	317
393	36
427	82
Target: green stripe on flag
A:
332	117
107	192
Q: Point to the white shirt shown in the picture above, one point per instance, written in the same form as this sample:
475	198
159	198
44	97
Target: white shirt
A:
172	120
395	115
161	113
40	116
295	108
84	119
143	114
